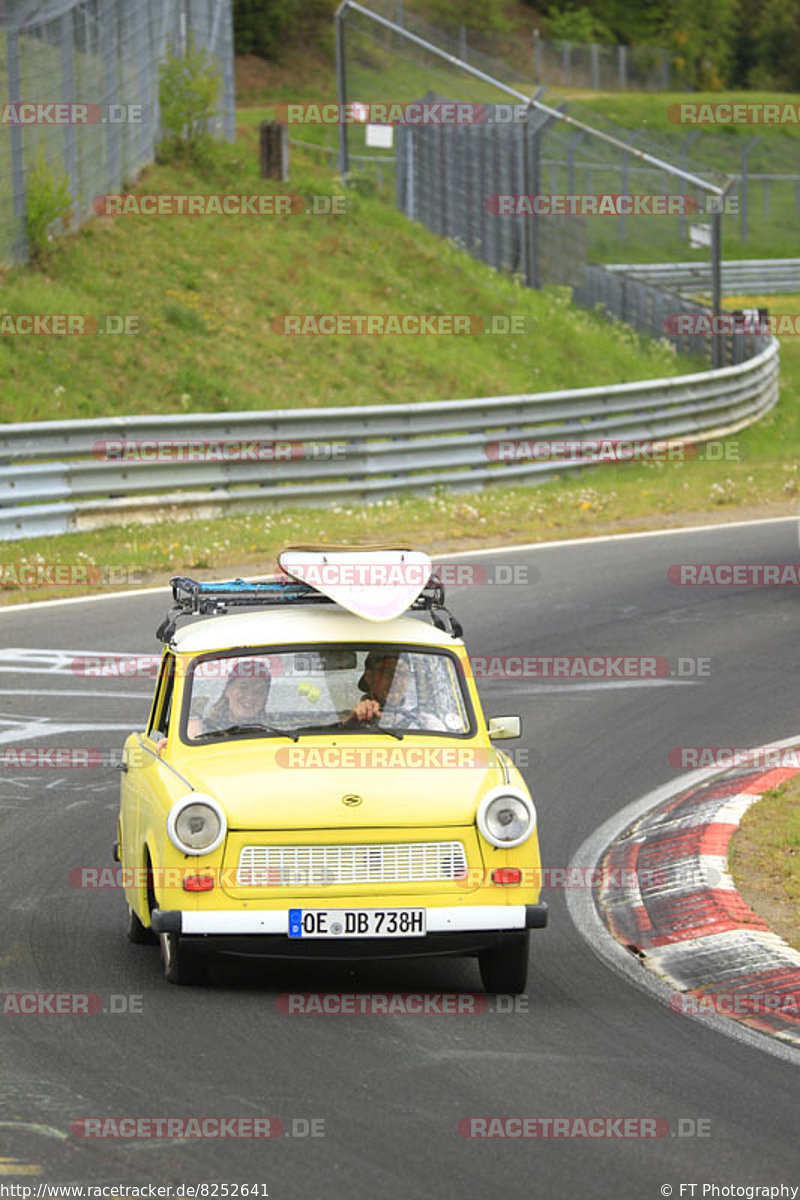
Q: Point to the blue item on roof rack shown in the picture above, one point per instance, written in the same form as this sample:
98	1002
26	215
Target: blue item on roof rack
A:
196	598
237	586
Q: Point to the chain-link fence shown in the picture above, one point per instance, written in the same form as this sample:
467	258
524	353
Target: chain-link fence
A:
451	179
601	67
79	94
558	63
525	186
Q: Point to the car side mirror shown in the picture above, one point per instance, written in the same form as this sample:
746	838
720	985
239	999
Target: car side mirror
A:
504	727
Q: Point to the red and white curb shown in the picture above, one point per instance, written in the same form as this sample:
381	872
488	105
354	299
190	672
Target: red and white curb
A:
669	899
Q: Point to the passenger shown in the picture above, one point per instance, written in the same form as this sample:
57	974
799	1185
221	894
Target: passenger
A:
242	703
385	703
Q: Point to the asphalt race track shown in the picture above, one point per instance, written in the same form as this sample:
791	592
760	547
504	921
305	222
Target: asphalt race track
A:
392	1089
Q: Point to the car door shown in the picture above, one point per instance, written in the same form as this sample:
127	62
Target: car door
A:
140	771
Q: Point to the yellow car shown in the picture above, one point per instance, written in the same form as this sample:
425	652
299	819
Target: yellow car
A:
315	782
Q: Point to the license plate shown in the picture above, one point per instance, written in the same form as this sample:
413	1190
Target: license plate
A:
356	922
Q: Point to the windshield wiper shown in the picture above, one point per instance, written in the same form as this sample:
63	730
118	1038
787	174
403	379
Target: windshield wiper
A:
395	733
307	730
251	728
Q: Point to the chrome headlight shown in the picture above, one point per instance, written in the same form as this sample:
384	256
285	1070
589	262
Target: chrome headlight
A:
196	824
506	817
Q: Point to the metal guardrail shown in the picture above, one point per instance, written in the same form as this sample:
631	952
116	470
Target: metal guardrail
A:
53	478
754	276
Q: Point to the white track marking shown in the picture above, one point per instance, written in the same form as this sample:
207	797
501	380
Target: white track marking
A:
76	692
34	730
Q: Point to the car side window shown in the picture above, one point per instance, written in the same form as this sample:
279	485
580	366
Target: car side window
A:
162	708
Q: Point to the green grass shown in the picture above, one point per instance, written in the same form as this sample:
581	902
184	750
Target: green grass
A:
206	290
650	110
763	479
765	859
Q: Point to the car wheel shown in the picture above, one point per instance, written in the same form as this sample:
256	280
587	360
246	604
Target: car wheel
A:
181	966
505	970
138	933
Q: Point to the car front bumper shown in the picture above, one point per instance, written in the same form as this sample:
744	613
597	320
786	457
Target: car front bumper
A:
462	930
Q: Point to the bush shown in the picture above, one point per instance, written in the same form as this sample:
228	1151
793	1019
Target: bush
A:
266	27
47	199
189	92
577	25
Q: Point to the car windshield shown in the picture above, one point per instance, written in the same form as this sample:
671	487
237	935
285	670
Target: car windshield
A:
341	689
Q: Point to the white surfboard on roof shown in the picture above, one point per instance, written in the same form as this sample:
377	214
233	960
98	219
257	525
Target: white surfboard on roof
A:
377	582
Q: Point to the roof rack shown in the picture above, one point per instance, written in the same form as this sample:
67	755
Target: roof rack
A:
193	598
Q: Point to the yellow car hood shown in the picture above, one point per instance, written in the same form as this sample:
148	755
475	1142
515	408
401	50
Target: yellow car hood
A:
261	785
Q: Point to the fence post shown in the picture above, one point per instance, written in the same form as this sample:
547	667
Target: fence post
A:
497	228
109	31
68	97
273	144
471	190
20	247
565	64
623	66
411	178
744	187
533	174
595	56
482	133
341	86
573	145
717	343
537	57
444	182
226	54
718	349
688	141
624	184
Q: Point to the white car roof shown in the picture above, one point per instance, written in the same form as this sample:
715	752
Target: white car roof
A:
303	624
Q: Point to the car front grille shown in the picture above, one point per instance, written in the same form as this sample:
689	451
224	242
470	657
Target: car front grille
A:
366	862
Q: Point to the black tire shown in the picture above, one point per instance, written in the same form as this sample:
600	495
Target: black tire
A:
138	933
505	970
182	966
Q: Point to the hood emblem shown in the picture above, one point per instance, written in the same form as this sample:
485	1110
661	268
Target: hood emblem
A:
351	801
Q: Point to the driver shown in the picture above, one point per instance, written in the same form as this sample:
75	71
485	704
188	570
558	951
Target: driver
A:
386	703
243	701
